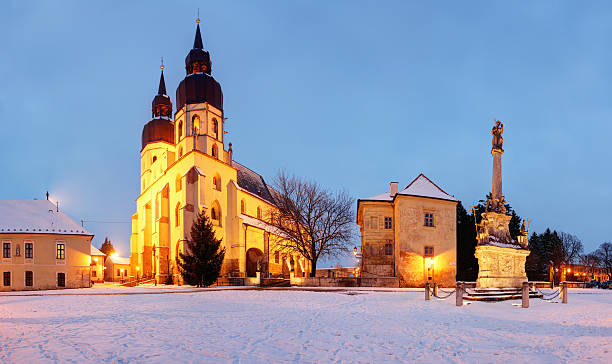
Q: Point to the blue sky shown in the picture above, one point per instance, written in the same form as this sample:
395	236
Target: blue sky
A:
352	94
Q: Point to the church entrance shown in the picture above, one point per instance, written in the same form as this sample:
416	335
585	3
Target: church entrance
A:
254	260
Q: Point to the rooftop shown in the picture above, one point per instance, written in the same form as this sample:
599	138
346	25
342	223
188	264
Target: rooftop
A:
36	217
420	187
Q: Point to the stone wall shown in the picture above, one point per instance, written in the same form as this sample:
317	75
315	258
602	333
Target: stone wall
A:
391	282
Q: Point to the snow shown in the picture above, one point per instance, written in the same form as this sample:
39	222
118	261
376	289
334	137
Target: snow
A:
423	186
119	260
95	251
36	216
382	197
228	325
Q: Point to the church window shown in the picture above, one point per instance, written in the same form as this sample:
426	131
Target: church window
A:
196	67
180	130
154	159
429	219
196	124
388	222
177	214
388	249
217	182
429	251
214	153
213	214
242	207
178	184
259	213
216	128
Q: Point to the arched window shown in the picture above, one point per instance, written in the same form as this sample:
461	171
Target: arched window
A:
214	153
195	120
215	213
179	184
259	212
242	207
180	151
180	130
177	214
154	159
215	128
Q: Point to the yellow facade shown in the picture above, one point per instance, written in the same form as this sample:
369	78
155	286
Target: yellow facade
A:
196	172
410	234
44	264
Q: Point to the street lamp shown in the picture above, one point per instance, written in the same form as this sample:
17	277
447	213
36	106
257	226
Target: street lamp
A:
121	275
137	269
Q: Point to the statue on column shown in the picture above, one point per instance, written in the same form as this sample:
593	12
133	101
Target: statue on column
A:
497	131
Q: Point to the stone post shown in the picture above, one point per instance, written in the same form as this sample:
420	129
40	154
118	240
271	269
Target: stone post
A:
427	291
459	294
563	289
435	289
525	294
497	174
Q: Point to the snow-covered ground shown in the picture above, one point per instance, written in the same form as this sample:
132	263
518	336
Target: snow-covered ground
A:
182	324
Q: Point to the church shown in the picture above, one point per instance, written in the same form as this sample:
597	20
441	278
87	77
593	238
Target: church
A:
186	167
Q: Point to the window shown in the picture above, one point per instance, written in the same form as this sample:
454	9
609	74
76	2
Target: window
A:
242	207
217	183
429	219
216	128
374	222
60	251
214	152
388	222
7	278
180	133
214	214
118	272
94	273
429	251
29	278
177	214
61	279
29	250
388	249
195	120
154	159
259	213
276	257
6	250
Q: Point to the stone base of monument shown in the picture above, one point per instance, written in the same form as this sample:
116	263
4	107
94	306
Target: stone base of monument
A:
500	266
497	294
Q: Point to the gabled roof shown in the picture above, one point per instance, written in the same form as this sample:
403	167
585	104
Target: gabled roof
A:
95	251
424	187
253	182
36	217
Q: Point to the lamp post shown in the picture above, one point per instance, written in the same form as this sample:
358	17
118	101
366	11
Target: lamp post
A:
121	275
358	257
137	270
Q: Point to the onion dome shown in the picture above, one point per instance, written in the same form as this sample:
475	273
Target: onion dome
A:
198	86
161	127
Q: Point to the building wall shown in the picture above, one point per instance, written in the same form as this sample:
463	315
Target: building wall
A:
97	268
44	265
409	236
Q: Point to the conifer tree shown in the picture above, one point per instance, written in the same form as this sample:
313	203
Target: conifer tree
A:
200	264
107	247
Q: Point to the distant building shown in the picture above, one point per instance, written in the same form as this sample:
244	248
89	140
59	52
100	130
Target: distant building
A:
409	234
42	248
582	273
117	269
97	265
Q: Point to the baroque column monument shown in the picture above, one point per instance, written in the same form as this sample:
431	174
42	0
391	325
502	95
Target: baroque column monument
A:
501	259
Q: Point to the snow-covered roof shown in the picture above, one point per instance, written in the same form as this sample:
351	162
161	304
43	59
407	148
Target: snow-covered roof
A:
421	187
95	251
36	217
119	260
424	187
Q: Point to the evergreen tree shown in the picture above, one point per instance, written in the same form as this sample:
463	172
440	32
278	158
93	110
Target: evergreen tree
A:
467	264
107	247
200	264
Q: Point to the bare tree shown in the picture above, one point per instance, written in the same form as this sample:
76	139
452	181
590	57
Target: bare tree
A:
604	253
311	220
590	261
571	248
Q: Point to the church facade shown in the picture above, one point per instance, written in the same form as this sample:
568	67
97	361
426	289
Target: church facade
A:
187	167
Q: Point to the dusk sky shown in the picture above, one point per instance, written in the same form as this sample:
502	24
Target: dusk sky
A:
350	94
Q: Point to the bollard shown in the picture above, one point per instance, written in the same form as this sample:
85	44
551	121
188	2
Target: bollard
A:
525	294
435	289
459	294
427	291
563	292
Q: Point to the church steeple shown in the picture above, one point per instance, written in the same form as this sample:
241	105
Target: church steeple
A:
162	105
198	60
161	90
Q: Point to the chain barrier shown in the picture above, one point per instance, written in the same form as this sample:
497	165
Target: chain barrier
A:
549	296
442	297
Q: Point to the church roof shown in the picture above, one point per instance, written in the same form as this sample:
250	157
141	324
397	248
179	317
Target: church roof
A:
420	187
36	217
253	182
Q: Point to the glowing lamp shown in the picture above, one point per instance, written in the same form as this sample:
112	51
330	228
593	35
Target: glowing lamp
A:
355	251
569	270
95	259
137	268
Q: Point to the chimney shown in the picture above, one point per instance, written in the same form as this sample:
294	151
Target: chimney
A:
393	189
